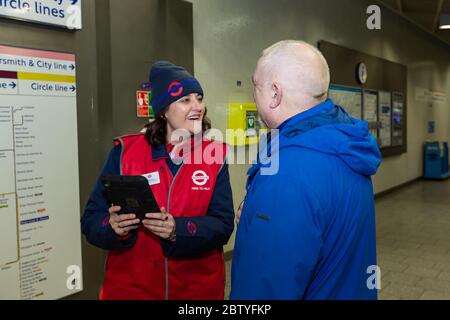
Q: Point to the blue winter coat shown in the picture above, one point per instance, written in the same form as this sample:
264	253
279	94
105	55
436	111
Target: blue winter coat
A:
308	232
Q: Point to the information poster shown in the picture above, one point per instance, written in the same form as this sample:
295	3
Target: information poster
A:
397	118
370	113
40	252
348	98
385	113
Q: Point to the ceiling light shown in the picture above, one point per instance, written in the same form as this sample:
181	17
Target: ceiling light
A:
444	22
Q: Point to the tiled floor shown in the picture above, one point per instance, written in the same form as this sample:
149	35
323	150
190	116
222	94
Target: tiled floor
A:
413	239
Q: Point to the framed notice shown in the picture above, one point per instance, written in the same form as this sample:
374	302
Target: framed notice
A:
40	251
398	120
385	117
370	111
348	98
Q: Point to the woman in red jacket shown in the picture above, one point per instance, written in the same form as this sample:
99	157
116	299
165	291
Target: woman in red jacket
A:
178	252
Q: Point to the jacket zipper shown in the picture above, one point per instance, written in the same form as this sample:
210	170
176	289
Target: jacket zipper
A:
168	210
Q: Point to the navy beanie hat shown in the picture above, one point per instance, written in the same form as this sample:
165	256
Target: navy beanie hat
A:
170	83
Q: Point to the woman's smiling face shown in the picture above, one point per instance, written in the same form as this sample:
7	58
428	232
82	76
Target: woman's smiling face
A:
186	113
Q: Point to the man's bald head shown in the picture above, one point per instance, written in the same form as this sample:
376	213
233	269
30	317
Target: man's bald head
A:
299	68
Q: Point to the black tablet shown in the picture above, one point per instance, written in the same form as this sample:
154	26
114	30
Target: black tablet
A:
131	193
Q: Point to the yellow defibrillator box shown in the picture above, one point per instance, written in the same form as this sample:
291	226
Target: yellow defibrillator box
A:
243	124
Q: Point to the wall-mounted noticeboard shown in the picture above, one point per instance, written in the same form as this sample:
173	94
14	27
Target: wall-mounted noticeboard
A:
383	103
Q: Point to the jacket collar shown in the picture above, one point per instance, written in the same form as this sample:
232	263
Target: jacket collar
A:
161	152
321	109
317	116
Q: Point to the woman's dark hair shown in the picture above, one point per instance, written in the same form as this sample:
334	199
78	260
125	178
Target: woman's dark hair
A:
157	129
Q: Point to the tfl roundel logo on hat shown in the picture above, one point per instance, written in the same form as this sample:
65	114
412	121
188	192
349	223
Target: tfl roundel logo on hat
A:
176	87
200	178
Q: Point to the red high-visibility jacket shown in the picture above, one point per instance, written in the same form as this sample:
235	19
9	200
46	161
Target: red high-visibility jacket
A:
143	271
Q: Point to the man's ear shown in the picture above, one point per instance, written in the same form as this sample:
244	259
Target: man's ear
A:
277	95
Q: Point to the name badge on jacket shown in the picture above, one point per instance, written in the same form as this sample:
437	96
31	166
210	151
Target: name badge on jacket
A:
153	178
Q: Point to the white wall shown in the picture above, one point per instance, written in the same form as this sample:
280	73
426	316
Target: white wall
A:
230	34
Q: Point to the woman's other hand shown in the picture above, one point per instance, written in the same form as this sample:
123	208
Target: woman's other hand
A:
122	224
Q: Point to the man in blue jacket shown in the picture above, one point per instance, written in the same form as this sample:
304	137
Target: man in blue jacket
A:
307	231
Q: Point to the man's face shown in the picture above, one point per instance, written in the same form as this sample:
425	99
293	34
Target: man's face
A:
262	95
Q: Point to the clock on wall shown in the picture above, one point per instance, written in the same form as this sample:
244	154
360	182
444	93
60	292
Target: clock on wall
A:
361	73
